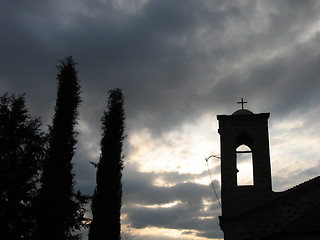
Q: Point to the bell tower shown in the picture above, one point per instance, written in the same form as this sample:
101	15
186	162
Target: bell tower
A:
244	128
250	209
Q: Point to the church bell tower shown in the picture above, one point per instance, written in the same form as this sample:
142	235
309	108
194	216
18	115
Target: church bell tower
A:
250	209
251	130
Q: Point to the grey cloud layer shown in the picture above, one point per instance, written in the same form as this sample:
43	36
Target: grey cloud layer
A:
189	213
171	58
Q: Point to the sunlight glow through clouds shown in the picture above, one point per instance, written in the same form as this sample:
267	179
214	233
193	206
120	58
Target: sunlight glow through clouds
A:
182	150
206	203
154	232
293	151
165	205
160	182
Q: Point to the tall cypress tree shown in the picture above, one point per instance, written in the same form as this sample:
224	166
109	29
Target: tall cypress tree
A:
61	210
21	154
107	198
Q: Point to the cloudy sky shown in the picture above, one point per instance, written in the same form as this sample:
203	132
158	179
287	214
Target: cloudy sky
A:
180	63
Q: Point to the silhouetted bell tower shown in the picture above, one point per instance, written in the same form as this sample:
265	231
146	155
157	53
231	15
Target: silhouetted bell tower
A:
244	128
250	209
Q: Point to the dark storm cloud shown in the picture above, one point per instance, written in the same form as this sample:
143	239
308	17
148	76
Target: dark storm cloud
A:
166	56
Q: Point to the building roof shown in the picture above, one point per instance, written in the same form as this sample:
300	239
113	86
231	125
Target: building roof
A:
295	211
242	112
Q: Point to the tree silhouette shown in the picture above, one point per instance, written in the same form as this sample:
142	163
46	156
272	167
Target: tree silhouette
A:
107	198
61	209
21	153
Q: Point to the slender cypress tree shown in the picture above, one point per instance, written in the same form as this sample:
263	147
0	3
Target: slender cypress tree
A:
61	210
21	154
107	198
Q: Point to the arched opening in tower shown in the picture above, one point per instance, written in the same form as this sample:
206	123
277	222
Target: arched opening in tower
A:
244	166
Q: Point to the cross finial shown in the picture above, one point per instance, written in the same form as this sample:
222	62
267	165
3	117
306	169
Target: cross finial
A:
242	102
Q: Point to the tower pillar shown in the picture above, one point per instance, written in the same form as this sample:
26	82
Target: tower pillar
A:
244	128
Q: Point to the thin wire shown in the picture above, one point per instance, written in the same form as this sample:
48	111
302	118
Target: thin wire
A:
215	192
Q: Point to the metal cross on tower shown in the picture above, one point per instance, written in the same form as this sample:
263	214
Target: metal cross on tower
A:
242	102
